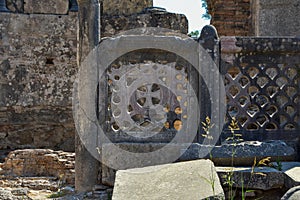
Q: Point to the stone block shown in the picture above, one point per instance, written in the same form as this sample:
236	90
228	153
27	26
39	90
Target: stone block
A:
58	7
111	156
245	152
119	7
277	18
292	170
292	194
115	25
186	180
259	178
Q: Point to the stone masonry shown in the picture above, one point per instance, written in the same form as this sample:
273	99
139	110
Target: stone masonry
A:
40	162
38	67
119	7
255	17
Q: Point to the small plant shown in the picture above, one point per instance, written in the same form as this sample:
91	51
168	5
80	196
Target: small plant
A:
264	162
229	182
234	138
277	166
206	127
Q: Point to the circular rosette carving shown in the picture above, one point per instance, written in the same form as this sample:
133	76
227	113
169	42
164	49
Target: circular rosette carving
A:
148	98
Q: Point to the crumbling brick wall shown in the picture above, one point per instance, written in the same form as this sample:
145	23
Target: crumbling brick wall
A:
231	17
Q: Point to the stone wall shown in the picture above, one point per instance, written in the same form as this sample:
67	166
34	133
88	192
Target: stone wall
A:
277	18
40	162
38	68
231	17
120	7
255	17
114	25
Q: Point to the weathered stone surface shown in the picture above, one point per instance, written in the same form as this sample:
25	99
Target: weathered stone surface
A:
15	5
117	24
33	183
277	18
7	195
260	178
113	157
38	68
292	194
243	58
221	155
59	7
40	162
120	7
244	152
292	170
186	180
87	166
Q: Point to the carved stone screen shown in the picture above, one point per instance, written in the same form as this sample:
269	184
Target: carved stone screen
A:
263	87
149	107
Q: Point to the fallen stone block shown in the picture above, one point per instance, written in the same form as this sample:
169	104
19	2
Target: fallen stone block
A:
292	171
137	155
185	180
257	178
292	194
243	153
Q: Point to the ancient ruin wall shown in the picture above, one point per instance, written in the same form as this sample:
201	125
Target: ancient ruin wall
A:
120	7
255	17
262	77
38	68
231	17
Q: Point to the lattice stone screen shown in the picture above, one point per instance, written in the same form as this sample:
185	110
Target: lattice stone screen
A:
151	107
263	85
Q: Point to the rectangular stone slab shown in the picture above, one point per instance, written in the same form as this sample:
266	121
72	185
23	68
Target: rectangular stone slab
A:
185	180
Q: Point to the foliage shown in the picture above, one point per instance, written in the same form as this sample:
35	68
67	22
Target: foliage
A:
206	127
206	15
194	34
229	177
56	195
233	127
277	166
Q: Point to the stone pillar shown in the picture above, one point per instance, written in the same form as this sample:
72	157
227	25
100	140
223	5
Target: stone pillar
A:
86	166
209	40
